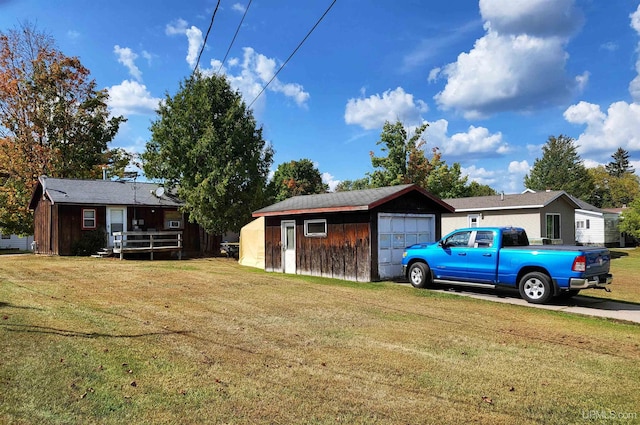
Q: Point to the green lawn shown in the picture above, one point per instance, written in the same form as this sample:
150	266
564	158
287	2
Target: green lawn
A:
86	340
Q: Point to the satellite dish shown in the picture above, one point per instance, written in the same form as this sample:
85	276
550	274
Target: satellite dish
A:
160	192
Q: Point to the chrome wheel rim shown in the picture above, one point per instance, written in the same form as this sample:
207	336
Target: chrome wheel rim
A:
534	288
416	275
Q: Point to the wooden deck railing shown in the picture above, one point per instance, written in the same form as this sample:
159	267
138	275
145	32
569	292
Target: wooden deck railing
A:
157	241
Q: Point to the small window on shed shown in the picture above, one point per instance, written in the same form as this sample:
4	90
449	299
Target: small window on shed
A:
315	228
88	218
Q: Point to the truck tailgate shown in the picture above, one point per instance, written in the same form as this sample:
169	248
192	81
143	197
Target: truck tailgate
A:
597	261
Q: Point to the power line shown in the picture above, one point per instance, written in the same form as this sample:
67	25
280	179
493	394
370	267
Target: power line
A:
234	36
204	43
293	53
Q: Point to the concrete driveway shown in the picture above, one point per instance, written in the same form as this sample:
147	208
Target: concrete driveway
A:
590	306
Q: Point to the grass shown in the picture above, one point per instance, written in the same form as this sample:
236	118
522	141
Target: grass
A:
208	341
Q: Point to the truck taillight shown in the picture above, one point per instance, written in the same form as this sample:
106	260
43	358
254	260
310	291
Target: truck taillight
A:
579	264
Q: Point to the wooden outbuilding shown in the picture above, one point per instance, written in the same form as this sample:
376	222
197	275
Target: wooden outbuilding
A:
357	235
68	210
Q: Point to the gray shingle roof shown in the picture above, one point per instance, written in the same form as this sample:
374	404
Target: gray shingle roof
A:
355	200
105	192
502	202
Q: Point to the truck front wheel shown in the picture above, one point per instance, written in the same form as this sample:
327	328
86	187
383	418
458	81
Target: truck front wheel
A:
420	275
535	287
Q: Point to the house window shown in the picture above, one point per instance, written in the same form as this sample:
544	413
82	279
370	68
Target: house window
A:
580	224
588	224
474	220
88	218
315	228
173	220
553	226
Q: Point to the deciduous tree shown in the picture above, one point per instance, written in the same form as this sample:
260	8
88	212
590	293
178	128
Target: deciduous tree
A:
295	178
206	144
53	121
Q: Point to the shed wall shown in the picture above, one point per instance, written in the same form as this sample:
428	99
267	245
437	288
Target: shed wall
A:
345	253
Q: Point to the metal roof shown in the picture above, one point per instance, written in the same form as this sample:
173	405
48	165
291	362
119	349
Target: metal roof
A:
510	202
355	200
104	192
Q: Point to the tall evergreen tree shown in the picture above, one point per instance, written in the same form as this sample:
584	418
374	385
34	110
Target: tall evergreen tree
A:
560	168
206	144
620	164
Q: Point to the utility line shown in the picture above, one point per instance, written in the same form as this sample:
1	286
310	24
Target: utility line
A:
234	36
293	53
204	43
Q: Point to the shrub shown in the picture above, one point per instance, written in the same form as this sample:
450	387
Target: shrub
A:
90	243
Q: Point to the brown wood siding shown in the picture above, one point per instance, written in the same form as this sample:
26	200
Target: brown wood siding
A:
42	228
345	253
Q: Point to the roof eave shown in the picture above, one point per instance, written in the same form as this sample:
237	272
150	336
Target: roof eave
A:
310	211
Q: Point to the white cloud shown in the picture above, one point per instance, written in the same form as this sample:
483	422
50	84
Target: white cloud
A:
480	175
127	57
606	132
502	71
330	180
194	38
521	167
238	7
131	98
634	86
477	141
372	112
541	18
177	27
255	71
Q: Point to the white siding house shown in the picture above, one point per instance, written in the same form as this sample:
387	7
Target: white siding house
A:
15	242
595	226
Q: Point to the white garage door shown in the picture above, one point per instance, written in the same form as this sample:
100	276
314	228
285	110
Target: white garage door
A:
397	231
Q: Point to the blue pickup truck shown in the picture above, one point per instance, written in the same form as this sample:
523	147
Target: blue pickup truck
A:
501	256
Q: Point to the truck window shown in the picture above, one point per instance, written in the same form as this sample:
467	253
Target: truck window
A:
458	239
514	238
484	239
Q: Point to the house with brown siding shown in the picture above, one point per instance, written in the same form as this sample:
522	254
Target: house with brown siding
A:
357	235
66	210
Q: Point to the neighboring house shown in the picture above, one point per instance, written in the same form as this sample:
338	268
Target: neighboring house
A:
626	239
595	226
547	217
66	210
357	235
15	242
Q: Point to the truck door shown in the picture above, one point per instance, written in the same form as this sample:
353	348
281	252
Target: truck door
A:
450	261
482	257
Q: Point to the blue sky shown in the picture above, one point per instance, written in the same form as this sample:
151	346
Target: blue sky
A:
493	78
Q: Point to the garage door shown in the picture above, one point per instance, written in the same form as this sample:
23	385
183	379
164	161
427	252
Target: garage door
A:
397	231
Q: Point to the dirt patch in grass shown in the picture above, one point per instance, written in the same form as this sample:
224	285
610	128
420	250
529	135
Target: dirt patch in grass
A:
208	341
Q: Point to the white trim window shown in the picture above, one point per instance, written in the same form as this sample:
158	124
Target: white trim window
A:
89	218
474	220
315	228
553	226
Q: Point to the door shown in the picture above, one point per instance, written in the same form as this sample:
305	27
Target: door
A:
288	246
397	231
116	222
449	260
482	258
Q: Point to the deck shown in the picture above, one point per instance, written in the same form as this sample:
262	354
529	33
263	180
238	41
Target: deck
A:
142	242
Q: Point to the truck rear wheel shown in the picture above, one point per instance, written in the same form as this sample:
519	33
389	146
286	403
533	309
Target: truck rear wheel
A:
535	287
420	275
